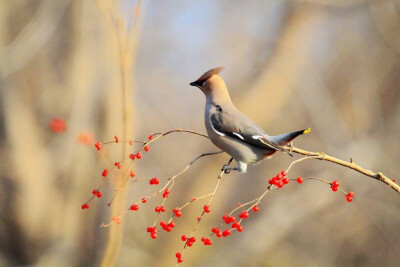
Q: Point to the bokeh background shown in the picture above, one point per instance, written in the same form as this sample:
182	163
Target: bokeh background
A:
333	65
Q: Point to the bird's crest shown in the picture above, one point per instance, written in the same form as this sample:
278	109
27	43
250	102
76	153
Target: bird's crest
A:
208	74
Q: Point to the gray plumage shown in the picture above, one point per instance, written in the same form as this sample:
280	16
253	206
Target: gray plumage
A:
231	130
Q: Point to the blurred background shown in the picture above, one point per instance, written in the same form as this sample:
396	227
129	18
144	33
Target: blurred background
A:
332	65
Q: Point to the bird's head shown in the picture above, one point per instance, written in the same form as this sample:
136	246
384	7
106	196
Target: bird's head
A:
212	85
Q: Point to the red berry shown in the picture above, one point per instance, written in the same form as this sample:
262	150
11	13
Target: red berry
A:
85	206
57	125
206	208
335	184
134	207
349	198
162	209
184	238
130	142
118	165
105	172
285	180
283	173
215	230
180	260
98	194
255	208
239	228
279	184
178	212
171	224
132	156
98	145
351	194
166	193
157	209
219	234
94	192
132	174
153	235
150	137
226	232
178	255
139	155
235	224
116	139
299	180
144	200
243	215
146	148
334	188
271	181
192	239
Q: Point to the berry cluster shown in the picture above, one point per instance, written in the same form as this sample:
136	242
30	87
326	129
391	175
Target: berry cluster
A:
97	193
167	226
177	212
334	186
118	165
279	180
160	209
85	206
154	181
134	207
228	219
206	241
153	231
189	240
179	257
116	219
349	196
98	145
217	231
244	214
166	192
206	208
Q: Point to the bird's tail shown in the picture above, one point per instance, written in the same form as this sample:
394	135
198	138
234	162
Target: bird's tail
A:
283	139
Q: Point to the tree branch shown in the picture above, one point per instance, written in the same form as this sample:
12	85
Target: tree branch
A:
322	156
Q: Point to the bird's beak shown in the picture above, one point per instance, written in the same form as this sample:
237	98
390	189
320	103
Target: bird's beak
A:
194	84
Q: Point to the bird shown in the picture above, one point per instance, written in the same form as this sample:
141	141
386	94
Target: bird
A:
231	130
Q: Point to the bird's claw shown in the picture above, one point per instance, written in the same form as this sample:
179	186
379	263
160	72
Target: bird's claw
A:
226	169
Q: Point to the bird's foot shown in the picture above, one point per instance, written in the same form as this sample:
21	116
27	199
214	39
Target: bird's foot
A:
226	169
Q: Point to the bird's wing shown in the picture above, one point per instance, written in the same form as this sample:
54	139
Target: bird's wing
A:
240	127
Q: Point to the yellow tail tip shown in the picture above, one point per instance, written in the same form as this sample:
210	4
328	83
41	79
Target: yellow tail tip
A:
306	131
